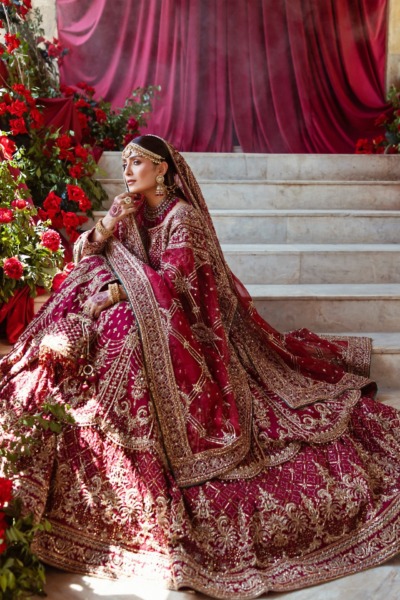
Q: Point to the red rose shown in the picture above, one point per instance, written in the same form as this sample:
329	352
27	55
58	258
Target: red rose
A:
64	141
76	171
23	91
13	268
43	215
3	108
50	239
108	144
52	51
81	103
81	152
18	108
100	115
37	119
128	138
76	194
18	126
5	491
52	204
85	204
70	220
6	215
7	147
83	120
12	42
20	203
364	146
132	123
67	90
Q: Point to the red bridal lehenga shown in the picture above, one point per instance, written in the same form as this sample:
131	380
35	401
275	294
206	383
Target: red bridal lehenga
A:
212	451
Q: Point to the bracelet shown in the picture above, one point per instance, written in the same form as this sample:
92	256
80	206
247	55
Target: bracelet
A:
106	233
113	290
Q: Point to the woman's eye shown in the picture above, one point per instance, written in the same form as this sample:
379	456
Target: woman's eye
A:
123	166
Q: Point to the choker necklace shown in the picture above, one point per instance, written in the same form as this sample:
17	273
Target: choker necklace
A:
151	214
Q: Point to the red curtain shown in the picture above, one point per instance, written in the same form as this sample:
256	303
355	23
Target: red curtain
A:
274	76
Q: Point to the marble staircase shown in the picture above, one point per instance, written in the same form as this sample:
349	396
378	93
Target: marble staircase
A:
315	239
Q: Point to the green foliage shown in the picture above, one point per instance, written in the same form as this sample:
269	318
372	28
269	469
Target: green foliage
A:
21	572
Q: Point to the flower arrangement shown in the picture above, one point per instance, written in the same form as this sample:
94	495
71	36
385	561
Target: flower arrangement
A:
389	141
60	170
107	128
30	252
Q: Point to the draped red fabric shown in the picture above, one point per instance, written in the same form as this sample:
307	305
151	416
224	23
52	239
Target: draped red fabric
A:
61	114
16	314
288	76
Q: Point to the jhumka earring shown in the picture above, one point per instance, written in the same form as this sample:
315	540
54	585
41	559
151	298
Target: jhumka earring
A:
160	189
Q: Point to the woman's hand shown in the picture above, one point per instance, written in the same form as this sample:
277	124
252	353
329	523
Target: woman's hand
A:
96	303
123	205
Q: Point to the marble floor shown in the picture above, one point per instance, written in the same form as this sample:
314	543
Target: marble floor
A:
380	583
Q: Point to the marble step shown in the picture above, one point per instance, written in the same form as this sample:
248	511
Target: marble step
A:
341	167
378	583
314	263
385	361
329	307
255	194
307	226
301	226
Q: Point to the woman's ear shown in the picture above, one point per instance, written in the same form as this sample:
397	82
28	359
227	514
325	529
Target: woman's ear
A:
163	168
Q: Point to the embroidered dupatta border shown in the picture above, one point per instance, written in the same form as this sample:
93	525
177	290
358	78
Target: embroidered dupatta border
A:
188	468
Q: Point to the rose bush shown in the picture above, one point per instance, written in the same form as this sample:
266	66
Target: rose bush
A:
389	141
30	253
52	160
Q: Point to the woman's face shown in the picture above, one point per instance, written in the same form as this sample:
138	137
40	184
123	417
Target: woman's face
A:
140	174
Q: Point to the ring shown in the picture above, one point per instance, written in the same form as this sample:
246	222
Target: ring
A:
127	201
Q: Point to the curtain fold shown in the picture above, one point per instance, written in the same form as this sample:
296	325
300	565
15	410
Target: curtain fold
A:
288	76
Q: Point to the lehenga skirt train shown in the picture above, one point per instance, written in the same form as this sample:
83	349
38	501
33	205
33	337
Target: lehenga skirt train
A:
315	496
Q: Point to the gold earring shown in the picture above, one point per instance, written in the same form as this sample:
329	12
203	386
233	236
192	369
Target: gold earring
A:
160	189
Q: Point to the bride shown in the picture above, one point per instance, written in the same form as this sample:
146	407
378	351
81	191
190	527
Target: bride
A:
207	448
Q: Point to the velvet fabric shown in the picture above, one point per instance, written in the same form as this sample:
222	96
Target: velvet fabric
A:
290	76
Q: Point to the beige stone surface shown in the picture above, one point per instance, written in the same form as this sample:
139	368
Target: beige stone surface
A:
48	11
380	583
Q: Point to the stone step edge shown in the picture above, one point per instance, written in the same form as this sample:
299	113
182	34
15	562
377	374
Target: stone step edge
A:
305	248
293	213
382	342
325	291
289	182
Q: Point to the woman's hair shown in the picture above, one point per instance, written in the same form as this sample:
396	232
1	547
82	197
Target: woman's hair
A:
157	145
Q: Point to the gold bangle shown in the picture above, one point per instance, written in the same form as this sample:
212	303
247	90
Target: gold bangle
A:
106	233
113	289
